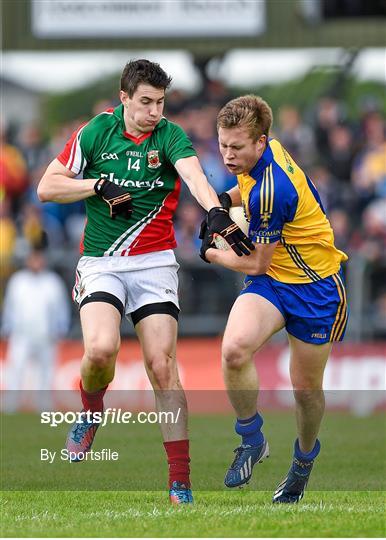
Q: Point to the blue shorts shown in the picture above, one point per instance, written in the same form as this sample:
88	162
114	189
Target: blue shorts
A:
313	312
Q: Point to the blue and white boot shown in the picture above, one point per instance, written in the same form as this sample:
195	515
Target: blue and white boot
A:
240	472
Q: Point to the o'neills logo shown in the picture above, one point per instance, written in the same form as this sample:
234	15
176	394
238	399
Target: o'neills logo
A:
153	161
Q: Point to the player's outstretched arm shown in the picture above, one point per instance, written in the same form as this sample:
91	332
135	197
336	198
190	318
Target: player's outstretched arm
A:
218	220
192	174
58	184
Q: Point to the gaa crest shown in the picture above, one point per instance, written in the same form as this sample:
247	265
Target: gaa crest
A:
153	161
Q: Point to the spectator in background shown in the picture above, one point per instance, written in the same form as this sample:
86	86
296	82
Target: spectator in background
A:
340	223
34	148
177	103
328	115
327	187
295	136
52	216
32	228
36	315
214	93
188	215
13	173
203	126
35	228
372	244
340	156
8	235
369	174
212	166
378	316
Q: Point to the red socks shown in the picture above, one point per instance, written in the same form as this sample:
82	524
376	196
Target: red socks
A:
92	401
177	451
178	460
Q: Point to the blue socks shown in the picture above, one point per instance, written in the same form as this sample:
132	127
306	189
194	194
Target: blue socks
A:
251	434
298	454
250	430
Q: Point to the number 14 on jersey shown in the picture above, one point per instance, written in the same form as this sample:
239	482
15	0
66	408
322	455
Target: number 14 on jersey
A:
133	163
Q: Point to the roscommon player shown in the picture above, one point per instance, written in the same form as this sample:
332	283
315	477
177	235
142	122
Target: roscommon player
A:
131	159
294	281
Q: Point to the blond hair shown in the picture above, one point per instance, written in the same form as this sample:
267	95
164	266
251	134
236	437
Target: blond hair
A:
249	111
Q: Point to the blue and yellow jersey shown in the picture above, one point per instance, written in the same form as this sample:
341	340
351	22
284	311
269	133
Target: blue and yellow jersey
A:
281	203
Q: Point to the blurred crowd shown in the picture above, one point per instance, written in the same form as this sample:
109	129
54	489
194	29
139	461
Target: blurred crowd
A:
345	159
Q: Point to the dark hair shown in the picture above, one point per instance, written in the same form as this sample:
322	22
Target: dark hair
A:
143	71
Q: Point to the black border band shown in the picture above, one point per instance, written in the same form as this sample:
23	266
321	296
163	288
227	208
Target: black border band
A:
102	296
167	308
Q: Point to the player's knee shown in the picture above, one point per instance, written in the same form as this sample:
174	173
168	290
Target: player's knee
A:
304	382
307	396
235	353
161	367
101	353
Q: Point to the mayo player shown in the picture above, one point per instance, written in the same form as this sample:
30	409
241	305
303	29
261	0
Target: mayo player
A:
132	158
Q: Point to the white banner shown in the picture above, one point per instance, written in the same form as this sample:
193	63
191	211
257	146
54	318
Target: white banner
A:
147	18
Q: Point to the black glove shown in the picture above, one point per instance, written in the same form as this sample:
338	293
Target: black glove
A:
117	198
207	240
225	200
219	222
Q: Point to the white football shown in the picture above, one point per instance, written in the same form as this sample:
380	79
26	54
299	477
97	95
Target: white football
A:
236	213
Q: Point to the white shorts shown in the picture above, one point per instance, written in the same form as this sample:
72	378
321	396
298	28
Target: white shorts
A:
136	281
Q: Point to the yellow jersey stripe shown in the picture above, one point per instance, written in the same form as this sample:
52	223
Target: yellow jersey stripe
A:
341	327
271	189
262	195
262	240
341	312
266	192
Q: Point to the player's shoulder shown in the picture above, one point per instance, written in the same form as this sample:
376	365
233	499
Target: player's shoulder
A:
285	165
104	119
276	188
286	171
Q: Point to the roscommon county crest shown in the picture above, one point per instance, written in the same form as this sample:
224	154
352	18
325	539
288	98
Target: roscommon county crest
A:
153	159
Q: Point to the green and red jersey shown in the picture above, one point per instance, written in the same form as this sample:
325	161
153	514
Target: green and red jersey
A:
144	166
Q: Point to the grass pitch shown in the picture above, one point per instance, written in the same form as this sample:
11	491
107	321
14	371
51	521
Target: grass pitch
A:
346	496
214	514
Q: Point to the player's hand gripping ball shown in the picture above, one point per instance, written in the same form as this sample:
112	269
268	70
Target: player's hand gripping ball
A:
220	222
236	213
